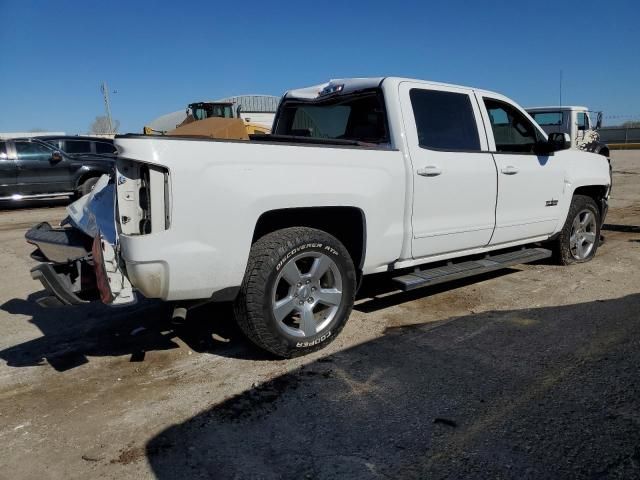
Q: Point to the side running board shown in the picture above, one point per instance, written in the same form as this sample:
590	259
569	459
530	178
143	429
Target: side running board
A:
455	271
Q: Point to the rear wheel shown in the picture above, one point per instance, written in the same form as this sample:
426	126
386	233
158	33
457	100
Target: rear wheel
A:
297	293
579	238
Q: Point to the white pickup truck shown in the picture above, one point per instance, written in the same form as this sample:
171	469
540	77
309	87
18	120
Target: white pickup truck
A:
431	182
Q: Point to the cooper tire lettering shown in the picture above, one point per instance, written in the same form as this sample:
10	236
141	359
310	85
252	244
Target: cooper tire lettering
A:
314	342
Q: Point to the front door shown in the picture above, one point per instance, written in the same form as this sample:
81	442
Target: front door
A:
529	185
38	172
453	173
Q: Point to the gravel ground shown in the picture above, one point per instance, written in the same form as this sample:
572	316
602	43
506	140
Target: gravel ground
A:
531	372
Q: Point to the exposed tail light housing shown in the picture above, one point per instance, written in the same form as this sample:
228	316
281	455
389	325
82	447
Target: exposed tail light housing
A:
144	200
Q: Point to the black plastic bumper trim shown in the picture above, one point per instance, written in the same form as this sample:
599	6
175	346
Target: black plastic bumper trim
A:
54	286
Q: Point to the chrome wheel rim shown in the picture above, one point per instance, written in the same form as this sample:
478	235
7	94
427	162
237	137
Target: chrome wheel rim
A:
307	294
583	235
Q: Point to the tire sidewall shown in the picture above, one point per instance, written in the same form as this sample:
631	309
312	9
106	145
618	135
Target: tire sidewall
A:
333	249
578	206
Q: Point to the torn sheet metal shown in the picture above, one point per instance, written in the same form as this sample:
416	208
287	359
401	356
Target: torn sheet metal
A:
96	212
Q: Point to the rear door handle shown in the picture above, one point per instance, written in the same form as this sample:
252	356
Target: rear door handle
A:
509	170
429	171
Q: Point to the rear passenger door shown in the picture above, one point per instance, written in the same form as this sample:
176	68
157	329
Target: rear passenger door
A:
529	185
453	173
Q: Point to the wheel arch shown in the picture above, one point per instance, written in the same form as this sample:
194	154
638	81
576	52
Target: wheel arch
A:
347	224
597	192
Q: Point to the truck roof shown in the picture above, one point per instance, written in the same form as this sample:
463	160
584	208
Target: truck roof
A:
354	84
556	108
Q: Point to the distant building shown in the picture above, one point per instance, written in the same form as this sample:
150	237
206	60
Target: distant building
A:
253	108
7	135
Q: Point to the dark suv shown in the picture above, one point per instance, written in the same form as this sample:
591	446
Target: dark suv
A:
77	144
32	168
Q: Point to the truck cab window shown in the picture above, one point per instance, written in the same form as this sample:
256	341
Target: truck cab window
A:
3	150
545	119
357	117
512	131
444	120
583	121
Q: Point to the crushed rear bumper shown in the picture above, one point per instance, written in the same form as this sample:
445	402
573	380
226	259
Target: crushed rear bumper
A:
80	261
57	285
66	271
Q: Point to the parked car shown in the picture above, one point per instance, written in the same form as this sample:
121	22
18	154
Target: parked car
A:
81	145
32	168
425	181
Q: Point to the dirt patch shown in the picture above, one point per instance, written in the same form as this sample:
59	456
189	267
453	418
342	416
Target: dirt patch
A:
130	455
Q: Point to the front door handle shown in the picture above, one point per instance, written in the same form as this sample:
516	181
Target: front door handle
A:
509	170
429	171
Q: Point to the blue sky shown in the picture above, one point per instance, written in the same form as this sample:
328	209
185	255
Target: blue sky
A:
159	56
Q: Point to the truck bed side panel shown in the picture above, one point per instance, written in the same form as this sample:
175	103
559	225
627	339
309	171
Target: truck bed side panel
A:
219	190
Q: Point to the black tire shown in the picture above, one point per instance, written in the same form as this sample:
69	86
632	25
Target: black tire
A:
562	245
86	186
254	306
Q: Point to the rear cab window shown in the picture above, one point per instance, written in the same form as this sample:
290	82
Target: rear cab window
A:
358	117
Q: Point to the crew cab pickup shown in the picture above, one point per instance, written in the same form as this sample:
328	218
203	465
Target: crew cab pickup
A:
427	181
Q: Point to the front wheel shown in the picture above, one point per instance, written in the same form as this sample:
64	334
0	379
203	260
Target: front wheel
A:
580	236
297	293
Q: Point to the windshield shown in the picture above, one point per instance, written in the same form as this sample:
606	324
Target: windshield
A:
200	111
358	117
547	118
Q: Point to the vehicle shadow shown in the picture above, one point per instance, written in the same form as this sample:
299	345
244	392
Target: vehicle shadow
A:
621	228
72	334
537	393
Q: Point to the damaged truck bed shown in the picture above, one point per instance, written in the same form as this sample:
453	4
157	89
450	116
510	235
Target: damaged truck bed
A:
78	258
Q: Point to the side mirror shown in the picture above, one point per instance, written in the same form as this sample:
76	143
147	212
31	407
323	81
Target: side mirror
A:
559	141
599	121
56	157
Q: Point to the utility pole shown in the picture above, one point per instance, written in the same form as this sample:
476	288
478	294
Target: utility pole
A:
107	104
